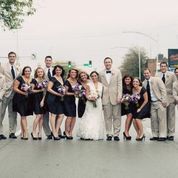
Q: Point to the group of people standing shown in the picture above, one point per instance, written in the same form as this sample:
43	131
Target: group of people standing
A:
102	98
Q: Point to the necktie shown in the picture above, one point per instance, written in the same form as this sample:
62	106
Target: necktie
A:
49	74
108	71
163	78
12	72
148	90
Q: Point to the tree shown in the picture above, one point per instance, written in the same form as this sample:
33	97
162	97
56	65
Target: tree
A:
130	64
12	12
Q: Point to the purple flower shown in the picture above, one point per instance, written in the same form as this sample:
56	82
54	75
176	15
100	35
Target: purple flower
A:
61	89
42	84
135	98
26	87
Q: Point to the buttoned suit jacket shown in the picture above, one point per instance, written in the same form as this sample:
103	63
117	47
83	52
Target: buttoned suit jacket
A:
112	90
170	78
5	70
158	88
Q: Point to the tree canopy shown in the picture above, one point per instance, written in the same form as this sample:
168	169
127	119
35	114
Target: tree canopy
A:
12	12
130	64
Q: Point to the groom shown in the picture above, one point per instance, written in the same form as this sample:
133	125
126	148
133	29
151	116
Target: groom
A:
112	94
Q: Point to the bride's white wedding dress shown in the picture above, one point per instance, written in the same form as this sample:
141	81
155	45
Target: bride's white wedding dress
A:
92	124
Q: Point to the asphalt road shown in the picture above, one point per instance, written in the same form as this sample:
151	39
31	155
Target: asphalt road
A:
89	159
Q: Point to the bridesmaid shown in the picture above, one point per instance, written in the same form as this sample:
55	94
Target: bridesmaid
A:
140	109
83	80
69	102
39	89
23	99
125	109
55	100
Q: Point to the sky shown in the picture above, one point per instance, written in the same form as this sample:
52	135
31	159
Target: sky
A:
83	30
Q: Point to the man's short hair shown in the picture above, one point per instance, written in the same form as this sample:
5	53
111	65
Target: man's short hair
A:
12	53
163	62
48	57
147	69
107	58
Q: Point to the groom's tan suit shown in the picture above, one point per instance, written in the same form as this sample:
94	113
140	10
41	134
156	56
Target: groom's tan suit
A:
112	91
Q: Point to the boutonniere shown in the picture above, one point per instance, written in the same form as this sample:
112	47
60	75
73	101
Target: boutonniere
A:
17	68
112	73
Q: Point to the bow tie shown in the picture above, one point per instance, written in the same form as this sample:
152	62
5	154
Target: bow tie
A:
108	72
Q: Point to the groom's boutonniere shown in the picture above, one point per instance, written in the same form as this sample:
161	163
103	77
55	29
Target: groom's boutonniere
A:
112	73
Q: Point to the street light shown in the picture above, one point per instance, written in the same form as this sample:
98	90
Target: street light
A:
139	57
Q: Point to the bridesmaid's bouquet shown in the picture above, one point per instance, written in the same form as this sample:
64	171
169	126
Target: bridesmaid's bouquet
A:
135	98
26	88
93	96
42	85
79	91
126	99
61	90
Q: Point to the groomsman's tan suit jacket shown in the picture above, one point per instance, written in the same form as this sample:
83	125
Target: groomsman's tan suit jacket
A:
170	79
6	71
113	90
2	86
158	88
175	91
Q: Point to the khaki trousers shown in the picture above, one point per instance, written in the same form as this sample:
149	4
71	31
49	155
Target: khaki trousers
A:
112	116
158	120
7	102
46	126
171	119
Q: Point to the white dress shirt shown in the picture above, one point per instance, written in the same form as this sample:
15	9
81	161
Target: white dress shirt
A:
108	76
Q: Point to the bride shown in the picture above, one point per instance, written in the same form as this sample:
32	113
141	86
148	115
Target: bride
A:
91	126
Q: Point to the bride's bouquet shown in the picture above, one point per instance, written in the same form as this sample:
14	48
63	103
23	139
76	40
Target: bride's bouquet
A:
126	99
93	96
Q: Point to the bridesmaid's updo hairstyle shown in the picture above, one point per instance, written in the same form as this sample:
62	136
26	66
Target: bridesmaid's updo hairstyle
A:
60	67
94	72
71	71
79	75
36	71
26	67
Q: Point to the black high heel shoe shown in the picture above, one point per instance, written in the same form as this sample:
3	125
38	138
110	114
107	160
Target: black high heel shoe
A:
34	138
126	137
67	137
141	138
55	138
39	137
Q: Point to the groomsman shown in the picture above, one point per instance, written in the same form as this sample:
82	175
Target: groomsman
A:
157	96
112	94
48	71
2	92
169	78
10	70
